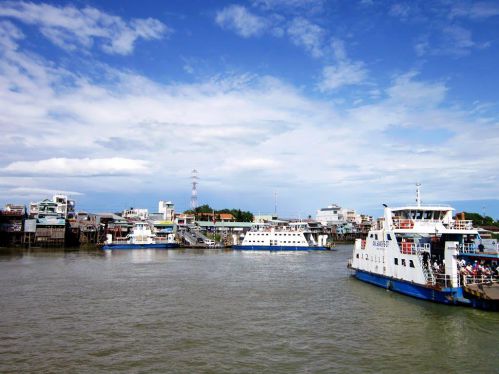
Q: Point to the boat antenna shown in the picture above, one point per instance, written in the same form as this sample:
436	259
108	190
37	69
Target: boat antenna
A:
275	204
418	194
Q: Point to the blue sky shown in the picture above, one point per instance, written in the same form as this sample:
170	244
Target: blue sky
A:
350	102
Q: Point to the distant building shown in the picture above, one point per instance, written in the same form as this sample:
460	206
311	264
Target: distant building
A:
185	219
65	206
167	208
59	204
225	217
336	215
333	214
262	218
134	213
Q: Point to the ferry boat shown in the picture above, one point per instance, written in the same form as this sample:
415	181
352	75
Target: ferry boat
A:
141	237
424	252
284	236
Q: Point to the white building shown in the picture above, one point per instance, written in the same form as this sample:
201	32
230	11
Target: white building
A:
64	207
262	218
333	214
167	208
141	214
336	215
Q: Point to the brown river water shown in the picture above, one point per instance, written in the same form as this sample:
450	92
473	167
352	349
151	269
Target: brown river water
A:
222	311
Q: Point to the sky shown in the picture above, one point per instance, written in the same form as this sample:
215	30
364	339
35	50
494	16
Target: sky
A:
300	102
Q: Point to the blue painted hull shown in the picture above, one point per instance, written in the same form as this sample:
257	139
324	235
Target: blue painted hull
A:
141	246
445	295
278	248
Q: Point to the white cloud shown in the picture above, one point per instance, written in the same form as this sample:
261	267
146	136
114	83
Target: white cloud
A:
306	34
298	5
405	89
239	19
344	73
248	132
71	28
33	192
475	9
78	167
249	164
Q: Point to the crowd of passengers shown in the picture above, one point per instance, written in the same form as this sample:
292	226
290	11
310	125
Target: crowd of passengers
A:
474	269
478	269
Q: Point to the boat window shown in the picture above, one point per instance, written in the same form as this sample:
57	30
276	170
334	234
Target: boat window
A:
371	235
396	261
403	262
357	255
411	263
376	236
388	237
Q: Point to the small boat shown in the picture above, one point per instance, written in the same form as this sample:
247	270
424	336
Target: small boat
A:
425	252
284	236
141	237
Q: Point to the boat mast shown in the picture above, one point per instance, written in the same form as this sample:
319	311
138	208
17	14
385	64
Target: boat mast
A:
418	195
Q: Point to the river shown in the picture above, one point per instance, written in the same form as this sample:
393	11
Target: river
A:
222	311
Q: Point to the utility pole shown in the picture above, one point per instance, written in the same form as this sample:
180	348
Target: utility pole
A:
194	193
275	204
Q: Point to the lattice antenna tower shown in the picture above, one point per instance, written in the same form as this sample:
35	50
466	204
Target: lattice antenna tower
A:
194	193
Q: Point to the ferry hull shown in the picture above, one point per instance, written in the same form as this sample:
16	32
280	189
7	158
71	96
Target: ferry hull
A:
445	296
278	248
140	246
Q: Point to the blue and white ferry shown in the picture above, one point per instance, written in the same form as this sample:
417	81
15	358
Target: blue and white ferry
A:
284	236
421	251
141	237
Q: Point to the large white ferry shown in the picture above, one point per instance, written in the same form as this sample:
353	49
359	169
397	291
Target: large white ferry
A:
284	236
141	237
423	251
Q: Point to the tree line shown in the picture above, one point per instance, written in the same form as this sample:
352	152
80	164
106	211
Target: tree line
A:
479	220
239	215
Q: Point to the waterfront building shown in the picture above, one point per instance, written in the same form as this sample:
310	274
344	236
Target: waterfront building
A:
135	213
262	218
65	206
11	225
50	224
332	215
60	204
185	219
167	208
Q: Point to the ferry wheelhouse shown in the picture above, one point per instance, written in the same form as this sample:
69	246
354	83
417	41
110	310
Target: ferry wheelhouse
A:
286	236
424	252
141	237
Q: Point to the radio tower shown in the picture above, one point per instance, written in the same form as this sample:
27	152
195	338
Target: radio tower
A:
194	194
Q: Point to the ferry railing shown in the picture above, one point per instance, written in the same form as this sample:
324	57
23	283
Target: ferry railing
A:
472	248
467	248
120	241
480	279
461	225
426	266
403	223
445	280
412	249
